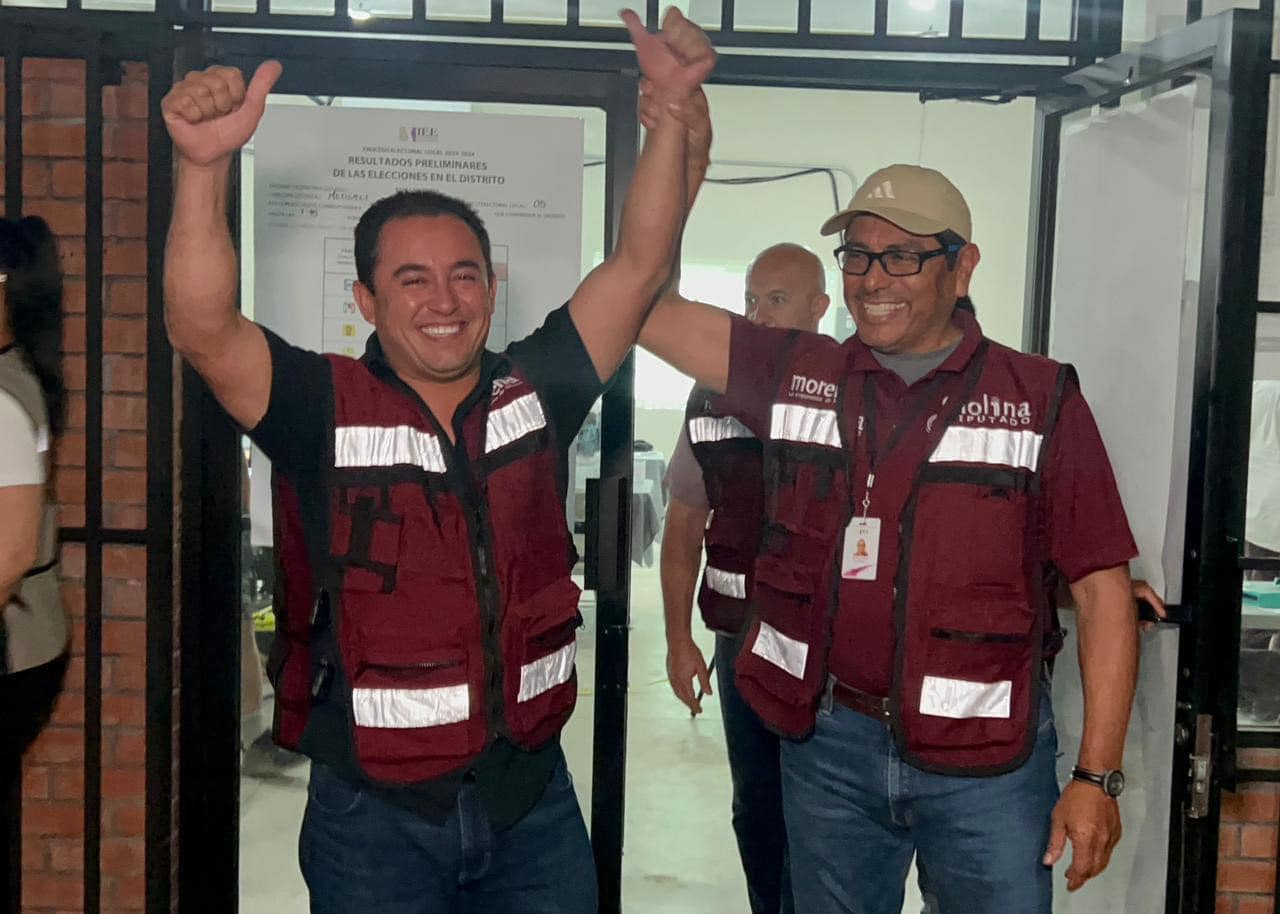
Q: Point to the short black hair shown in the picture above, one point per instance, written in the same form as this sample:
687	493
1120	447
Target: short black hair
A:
412	203
965	303
33	299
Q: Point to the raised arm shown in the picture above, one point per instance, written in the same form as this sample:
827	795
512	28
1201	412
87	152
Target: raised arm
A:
610	305
210	115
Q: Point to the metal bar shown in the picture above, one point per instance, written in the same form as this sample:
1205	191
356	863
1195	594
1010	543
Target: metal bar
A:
1270	307
1043	228
955	24
1258	776
804	18
13	127
496	13
342	11
613	596
160	496
1195	10
881	19
264	8
93	509
419	16
1258	564
1032	30
728	19
651	13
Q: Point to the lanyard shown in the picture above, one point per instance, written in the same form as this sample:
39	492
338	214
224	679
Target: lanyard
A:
917	408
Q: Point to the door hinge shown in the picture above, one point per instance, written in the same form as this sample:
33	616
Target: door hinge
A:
1201	767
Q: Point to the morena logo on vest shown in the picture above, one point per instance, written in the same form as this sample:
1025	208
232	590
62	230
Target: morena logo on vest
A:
812	389
991	410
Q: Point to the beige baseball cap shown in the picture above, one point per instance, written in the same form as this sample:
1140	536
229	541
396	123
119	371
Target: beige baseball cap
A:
916	199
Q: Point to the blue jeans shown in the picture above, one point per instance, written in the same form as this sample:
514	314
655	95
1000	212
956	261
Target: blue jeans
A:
856	812
757	791
360	855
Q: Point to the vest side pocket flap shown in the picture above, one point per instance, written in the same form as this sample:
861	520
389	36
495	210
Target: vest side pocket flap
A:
784	575
550	607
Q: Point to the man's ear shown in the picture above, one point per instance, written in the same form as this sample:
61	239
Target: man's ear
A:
365	301
966	263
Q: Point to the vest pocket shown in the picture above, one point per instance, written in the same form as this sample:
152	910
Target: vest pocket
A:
414	707
539	647
365	539
957	522
807	496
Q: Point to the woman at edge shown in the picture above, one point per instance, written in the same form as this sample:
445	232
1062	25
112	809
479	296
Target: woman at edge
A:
33	623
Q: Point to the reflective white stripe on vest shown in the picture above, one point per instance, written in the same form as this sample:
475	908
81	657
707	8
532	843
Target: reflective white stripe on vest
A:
706	429
780	650
386	446
546	673
1002	446
726	583
513	421
402	709
961	699
806	424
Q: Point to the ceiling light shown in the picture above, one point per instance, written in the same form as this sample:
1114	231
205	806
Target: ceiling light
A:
363	15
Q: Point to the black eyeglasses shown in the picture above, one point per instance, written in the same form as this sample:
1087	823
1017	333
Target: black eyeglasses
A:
857	262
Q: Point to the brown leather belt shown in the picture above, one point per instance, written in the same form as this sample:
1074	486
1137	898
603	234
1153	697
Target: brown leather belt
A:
860	701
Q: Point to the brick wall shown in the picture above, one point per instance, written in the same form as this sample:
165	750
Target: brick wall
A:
53	786
1247	842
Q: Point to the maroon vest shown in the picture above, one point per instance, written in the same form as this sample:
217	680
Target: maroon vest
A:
972	615
731	459
443	595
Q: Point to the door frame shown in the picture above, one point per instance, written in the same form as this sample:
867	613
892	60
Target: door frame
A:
1234	49
212	528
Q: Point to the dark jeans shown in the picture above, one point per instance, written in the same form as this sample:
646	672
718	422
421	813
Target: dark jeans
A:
26	701
856	813
362	855
757	791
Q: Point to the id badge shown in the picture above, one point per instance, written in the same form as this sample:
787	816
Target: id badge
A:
861	549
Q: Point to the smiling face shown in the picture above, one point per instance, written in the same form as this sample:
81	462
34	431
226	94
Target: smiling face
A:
905	314
432	298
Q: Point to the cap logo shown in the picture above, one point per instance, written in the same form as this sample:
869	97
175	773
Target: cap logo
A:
882	191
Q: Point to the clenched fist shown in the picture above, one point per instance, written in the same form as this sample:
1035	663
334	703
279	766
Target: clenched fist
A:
211	113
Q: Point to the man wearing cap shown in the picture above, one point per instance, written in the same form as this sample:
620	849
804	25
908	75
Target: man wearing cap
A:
924	486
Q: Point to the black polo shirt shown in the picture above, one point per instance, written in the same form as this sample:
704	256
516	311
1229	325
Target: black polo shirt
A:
296	434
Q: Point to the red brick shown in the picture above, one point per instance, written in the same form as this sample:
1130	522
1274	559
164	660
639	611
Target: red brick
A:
1229	841
124	562
70	450
122	856
125	258
125	819
73	592
1255	904
125	140
125	517
1251	805
72	516
78	634
1246	876
124	412
1258	758
35	856
66	856
124	334
124	181
53	819
68	485
73	333
124	783
126	892
124	486
123	638
124	708
126	297
1224	904
35	98
126	373
68	782
71	252
126	674
125	599
73	297
53	69
74	371
72	559
35	178
125	219
69	710
68	179
41	891
66	100
129	450
35	782
65	217
129	750
1258	841
63	140
76	408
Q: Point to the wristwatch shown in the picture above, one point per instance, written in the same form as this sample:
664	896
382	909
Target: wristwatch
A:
1110	782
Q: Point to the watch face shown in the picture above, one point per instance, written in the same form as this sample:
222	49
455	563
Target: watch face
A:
1113	783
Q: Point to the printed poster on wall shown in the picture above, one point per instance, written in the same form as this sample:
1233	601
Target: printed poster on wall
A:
316	170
